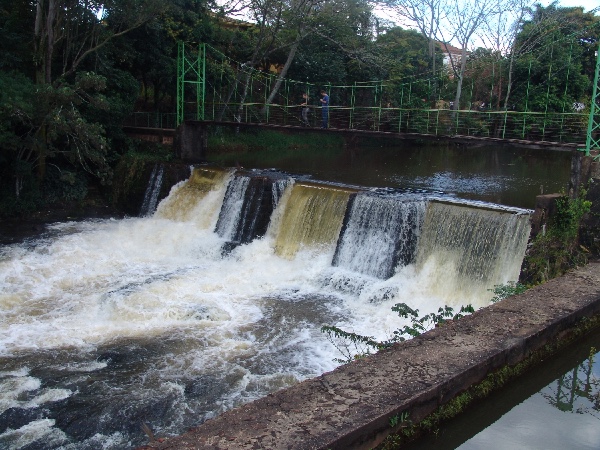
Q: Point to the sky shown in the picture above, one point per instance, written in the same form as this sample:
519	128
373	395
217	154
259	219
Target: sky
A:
588	5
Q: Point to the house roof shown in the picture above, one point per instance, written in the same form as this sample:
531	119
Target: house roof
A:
449	48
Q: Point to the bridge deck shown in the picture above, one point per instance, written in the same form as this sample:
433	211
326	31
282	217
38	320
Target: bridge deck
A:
165	135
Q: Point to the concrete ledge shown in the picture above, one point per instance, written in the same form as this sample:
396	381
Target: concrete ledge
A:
351	407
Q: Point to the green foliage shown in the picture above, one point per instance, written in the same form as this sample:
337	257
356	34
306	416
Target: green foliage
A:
420	325
557	250
353	346
64	186
569	212
502	291
398	419
555	70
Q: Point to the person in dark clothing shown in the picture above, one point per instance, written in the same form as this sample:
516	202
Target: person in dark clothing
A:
324	109
305	108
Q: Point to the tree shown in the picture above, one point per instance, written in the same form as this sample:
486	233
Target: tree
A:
58	115
66	33
551	73
465	18
427	16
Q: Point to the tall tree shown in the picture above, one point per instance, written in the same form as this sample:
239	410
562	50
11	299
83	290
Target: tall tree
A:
553	43
427	16
464	18
66	33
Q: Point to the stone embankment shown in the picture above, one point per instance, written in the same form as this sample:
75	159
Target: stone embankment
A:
351	407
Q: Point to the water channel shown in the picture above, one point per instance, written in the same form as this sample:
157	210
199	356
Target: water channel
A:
553	407
217	298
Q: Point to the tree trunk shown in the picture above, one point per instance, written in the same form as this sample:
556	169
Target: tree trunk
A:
284	71
238	116
463	65
510	74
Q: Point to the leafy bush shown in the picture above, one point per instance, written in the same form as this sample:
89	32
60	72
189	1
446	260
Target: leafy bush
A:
557	250
502	291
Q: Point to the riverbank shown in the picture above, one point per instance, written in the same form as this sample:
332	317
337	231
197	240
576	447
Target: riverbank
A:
358	405
95	206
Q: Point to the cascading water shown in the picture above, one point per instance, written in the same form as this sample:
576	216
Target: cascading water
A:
105	325
379	234
248	205
312	219
197	199
466	249
152	191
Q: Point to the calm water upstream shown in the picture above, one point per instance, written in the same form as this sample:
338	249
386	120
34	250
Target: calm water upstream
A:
504	175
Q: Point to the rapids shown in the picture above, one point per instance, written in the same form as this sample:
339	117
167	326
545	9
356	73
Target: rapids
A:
173	318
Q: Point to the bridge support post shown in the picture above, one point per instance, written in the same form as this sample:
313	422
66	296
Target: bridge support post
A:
191	142
593	139
191	70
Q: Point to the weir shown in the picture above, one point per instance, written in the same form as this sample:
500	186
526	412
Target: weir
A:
456	246
379	233
186	196
247	208
312	218
472	247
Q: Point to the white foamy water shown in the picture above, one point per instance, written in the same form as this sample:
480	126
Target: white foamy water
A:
118	322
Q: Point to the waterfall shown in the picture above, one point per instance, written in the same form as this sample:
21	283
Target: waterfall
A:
379	234
231	215
247	208
312	217
198	199
279	187
470	249
152	191
151	311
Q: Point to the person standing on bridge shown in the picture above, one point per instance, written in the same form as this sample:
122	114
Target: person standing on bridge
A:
304	105
325	108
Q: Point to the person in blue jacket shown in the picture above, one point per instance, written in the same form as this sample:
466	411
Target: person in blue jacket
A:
325	108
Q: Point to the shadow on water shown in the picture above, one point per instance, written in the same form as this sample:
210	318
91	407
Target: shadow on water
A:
499	174
484	418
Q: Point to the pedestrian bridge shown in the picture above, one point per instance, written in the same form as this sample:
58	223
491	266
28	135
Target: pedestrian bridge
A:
233	93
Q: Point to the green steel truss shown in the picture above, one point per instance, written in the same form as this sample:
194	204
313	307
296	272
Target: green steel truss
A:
191	70
592	142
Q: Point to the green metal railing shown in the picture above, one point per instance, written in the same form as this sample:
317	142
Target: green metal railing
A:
399	106
530	126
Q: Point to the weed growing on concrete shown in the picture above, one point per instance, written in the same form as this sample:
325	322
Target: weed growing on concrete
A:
502	291
397	419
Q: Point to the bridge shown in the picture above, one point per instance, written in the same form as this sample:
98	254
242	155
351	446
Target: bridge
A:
234	94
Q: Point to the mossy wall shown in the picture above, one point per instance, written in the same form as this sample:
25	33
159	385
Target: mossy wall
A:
131	180
590	225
